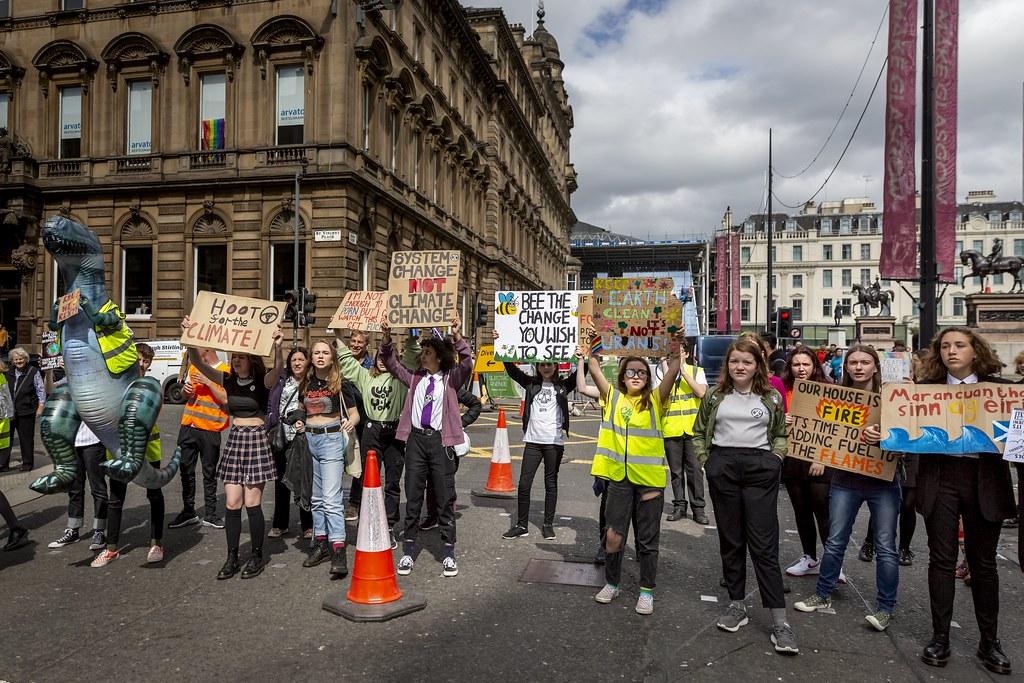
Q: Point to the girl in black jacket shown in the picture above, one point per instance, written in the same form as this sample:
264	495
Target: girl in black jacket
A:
545	426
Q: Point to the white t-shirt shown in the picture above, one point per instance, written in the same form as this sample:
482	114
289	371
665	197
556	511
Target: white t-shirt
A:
419	400
85	437
545	426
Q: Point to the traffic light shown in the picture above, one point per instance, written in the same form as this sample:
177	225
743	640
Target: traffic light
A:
307	307
784	323
481	314
291	298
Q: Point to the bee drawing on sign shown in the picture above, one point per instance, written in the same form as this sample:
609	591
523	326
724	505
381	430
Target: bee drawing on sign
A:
507	304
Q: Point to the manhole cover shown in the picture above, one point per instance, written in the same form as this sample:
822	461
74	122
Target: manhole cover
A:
563	572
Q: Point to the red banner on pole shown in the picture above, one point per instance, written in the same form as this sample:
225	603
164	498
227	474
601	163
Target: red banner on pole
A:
947	19
721	282
727	282
899	258
734	303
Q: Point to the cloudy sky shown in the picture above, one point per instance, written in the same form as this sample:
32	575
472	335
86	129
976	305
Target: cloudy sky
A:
673	100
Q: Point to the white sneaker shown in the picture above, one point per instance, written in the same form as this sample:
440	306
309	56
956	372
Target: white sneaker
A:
842	578
405	565
449	567
805	566
607	594
155	554
645	604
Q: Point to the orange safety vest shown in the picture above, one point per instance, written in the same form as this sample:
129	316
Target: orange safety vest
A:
203	411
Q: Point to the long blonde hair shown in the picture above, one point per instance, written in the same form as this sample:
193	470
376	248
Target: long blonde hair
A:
333	370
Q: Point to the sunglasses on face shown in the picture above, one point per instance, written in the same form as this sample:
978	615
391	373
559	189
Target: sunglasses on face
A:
633	373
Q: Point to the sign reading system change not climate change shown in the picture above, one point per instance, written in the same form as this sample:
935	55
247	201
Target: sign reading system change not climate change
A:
636	316
827	429
536	326
233	323
423	288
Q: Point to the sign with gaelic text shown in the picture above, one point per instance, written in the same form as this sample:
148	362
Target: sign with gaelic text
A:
636	316
536	326
364	311
67	306
233	323
953	419
423	288
827	426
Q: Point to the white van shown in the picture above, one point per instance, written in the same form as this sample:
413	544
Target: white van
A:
167	358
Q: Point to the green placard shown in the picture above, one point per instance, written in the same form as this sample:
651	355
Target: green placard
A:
499	385
611	372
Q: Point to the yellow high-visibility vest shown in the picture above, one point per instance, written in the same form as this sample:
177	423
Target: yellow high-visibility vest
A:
631	443
117	346
5	423
682	408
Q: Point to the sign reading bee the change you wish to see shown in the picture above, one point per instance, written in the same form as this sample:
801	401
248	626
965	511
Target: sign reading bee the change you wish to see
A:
536	326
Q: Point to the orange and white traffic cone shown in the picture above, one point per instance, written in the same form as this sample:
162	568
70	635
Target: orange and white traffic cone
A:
476	384
373	594
499	478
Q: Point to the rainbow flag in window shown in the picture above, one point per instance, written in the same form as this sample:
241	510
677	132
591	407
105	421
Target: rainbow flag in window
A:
213	134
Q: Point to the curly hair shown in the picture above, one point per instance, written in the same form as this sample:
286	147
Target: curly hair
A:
876	379
985	364
444	350
747	344
817	374
645	393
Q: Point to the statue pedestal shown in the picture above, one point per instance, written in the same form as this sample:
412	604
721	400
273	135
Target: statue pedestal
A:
879	331
1000	319
837	336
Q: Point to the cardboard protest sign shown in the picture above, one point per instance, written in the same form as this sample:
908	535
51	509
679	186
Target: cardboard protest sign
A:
948	418
536	326
827	429
233	323
68	305
896	366
485	360
1014	451
585	310
363	311
51	357
423	288
636	316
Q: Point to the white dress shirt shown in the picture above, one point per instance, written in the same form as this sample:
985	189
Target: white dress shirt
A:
969	379
419	399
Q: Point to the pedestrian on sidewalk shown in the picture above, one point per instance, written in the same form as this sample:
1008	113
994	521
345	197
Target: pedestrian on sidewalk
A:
431	427
329	421
359	344
975	486
630	459
247	463
545	428
862	370
740	438
29	396
806	483
688	389
119	491
199	439
284	399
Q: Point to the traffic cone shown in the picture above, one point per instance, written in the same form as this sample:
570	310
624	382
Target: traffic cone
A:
373	594
522	407
476	384
499	478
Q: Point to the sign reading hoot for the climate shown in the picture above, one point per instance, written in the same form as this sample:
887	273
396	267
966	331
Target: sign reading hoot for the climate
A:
423	288
636	316
827	426
536	326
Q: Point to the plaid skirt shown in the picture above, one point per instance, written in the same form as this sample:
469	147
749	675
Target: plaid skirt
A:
246	458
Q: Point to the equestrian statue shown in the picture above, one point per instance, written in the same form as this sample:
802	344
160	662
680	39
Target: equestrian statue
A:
982	266
873	296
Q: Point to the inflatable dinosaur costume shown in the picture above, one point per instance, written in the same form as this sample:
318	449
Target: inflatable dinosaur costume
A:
104	389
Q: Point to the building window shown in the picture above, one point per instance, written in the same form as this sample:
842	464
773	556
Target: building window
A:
72	4
847	253
826	308
798	282
865	252
291	105
212	111
363	272
417	151
282	268
978	245
958	306
748	227
5	9
847	277
5	105
959	246
826	226
1016	216
417	44
863	224
211	268
826	252
775	255
393	133
1018	247
844	226
798	253
775	281
865	276
958	273
745	253
790	225
826	278
997	279
140	117
571	281
996	218
367	94
744	309
137	280
798	309
744	282
438	67
847	306
70	122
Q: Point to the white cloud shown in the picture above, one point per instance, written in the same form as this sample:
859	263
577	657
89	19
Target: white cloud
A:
673	100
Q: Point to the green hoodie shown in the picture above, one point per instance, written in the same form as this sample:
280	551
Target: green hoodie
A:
383	394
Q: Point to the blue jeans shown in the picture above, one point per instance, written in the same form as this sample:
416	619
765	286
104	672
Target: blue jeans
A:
884	505
327	500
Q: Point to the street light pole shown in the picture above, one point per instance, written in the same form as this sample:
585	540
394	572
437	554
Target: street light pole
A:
768	288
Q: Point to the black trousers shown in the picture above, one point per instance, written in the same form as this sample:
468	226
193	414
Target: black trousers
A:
625	503
744	486
533	455
118	493
427	459
25	427
380	437
88	460
199	444
957	497
809	496
685	471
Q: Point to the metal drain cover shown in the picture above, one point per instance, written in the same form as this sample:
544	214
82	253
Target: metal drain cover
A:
567	573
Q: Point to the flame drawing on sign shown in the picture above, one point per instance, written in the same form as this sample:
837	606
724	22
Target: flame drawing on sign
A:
852	414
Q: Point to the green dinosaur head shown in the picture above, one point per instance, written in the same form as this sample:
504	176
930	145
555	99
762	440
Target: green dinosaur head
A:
76	250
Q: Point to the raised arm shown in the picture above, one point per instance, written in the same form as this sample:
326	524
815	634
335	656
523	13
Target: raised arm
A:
351	368
583	356
196	358
668	378
411	352
464	370
387	356
274	374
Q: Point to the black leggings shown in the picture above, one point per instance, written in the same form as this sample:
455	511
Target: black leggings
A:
118	492
809	496
908	519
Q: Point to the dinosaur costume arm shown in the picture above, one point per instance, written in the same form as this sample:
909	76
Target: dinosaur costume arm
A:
108	321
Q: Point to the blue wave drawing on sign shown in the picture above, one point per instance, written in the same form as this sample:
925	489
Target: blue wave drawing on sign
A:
935	440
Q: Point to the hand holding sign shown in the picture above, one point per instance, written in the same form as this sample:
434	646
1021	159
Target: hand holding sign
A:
68	306
232	323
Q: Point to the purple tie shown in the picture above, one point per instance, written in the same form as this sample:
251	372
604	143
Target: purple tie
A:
428	404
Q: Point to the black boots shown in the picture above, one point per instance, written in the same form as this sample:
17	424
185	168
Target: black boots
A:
936	653
230	567
339	563
992	657
320	552
254	567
